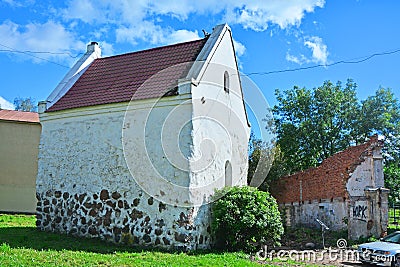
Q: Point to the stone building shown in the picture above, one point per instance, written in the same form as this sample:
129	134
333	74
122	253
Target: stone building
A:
19	146
345	192
134	145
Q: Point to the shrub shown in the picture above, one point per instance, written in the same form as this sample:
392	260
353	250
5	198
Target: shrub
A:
245	218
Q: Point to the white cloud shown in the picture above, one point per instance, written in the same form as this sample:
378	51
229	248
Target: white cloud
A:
255	15
318	48
12	3
319	52
138	20
4	104
48	37
259	15
239	48
141	20
83	10
297	59
106	49
154	34
145	30
182	36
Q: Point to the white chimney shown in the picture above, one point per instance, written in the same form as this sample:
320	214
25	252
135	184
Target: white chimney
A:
94	47
42	106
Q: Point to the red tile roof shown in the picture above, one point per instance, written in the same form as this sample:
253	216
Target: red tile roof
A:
13	115
117	78
327	180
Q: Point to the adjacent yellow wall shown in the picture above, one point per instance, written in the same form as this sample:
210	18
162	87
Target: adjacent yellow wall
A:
19	144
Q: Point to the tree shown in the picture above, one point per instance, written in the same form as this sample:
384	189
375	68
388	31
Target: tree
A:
381	114
265	163
260	160
314	124
392	181
25	104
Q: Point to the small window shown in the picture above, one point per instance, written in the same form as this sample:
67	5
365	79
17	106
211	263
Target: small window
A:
228	174
226	81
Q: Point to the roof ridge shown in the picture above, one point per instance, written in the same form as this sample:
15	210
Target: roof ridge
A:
154	48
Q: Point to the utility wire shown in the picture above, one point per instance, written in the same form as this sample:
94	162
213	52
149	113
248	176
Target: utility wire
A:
40	52
325	65
28	53
366	58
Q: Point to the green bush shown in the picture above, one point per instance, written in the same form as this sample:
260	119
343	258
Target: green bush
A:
244	218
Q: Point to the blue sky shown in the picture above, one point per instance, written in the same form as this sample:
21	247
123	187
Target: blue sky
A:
272	35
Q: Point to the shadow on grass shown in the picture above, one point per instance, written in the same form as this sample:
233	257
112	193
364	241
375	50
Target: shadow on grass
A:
32	238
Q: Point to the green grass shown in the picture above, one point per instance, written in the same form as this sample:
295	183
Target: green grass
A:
21	244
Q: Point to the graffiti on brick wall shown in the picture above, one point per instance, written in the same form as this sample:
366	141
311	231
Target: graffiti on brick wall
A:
360	211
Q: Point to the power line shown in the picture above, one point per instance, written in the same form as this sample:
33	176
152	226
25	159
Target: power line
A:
40	52
366	58
363	59
10	49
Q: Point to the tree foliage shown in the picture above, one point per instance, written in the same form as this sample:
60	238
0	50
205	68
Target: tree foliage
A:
244	218
261	156
392	177
381	114
265	161
314	124
25	104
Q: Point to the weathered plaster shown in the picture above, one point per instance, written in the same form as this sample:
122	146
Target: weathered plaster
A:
331	212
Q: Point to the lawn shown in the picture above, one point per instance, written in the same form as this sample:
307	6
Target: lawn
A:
21	244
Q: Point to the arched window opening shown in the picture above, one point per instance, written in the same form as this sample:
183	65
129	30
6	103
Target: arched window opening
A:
226	81
228	174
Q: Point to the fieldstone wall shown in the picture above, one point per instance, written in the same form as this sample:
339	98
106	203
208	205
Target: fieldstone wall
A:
114	217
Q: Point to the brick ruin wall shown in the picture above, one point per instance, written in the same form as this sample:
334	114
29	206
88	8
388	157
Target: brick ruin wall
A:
327	181
321	192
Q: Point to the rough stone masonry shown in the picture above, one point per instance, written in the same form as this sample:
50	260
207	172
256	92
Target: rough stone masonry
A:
116	218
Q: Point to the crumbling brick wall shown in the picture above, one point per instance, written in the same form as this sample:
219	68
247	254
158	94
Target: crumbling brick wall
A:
334	191
326	181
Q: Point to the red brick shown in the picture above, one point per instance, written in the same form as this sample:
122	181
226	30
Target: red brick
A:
327	180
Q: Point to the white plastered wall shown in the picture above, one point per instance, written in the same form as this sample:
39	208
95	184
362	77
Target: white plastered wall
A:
220	128
87	151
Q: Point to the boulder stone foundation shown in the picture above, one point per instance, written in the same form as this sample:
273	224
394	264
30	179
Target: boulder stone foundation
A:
115	218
